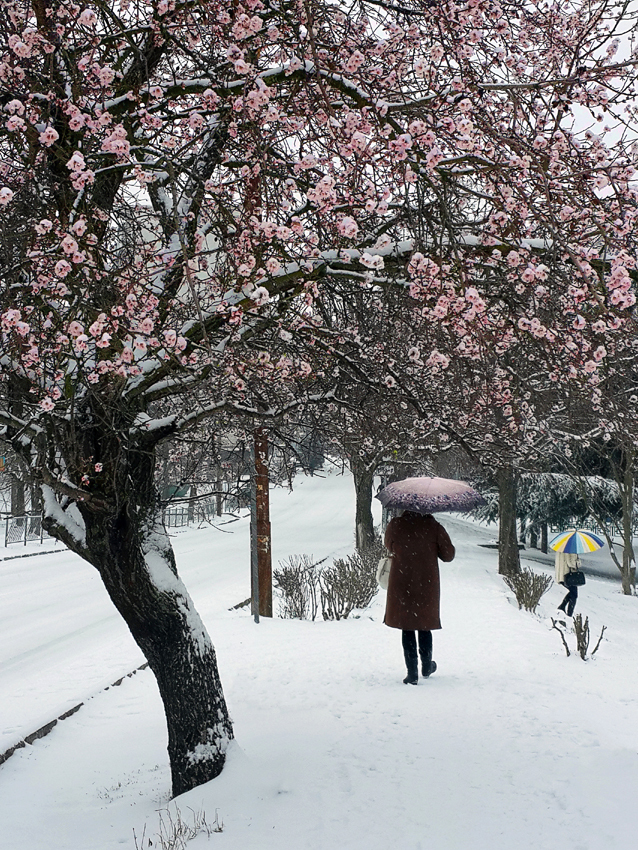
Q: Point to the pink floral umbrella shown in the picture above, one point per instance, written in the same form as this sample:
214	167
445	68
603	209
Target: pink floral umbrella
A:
429	495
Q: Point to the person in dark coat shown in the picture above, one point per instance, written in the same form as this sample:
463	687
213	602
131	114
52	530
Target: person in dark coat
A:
416	543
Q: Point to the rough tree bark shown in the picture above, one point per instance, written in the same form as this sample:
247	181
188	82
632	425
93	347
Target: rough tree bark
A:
508	555
363	474
118	528
544	538
17	497
628	568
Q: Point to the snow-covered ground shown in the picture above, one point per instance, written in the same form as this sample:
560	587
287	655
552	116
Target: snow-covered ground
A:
509	745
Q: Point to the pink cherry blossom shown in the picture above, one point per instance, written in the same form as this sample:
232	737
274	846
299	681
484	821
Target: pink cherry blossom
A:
348	227
49	136
15	123
77	121
76	163
87	18
69	245
260	295
44	226
371	261
15	107
106	76
117	142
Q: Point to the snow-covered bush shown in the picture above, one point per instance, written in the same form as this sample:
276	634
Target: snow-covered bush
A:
528	587
348	584
581	631
582	635
298	582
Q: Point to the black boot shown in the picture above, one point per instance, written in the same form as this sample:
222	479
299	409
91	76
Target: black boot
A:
432	669
425	651
411	658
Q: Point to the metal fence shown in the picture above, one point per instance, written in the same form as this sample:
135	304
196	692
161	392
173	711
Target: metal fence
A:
614	528
24	529
28	528
177	516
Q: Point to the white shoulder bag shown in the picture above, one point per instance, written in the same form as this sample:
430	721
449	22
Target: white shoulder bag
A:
383	572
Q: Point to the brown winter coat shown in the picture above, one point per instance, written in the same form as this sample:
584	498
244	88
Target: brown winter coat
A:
416	543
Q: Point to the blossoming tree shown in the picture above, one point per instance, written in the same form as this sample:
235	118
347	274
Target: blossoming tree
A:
184	184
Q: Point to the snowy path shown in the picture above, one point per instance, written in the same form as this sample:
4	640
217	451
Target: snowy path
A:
61	640
509	745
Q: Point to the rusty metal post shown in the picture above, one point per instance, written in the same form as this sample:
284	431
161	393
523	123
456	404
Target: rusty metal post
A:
254	560
261	561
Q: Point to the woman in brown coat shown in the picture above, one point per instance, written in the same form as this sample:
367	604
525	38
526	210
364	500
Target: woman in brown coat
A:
416	543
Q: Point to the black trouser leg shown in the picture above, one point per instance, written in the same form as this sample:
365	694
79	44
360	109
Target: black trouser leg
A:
569	602
425	651
408	639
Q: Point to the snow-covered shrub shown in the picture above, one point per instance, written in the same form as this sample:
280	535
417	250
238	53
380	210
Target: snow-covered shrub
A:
373	553
298	582
581	631
528	587
348	584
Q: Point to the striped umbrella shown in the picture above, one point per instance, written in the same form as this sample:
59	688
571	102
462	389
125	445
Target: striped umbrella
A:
576	541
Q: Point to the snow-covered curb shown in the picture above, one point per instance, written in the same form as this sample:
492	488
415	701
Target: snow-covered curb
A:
44	730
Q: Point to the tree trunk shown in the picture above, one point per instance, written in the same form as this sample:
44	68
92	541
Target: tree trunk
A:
533	537
544	538
508	555
628	571
17	497
218	492
36	502
260	533
125	539
364	523
190	516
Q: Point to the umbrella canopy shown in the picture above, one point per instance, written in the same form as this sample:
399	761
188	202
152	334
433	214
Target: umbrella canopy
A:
429	495
576	542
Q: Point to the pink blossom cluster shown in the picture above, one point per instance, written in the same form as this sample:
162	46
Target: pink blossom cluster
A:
301	142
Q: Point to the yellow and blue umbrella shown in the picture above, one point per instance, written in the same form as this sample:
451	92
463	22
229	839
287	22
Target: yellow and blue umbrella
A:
576	541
